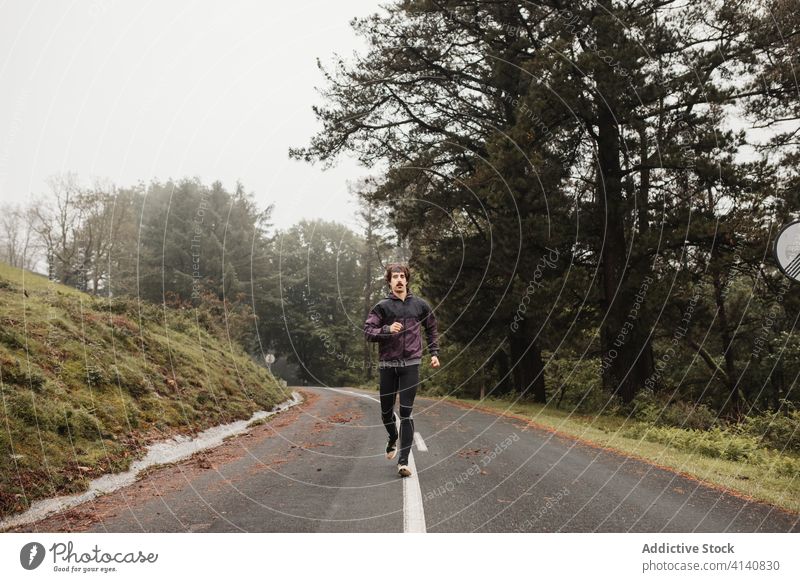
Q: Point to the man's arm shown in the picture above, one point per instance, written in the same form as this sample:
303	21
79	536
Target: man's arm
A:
374	329
432	331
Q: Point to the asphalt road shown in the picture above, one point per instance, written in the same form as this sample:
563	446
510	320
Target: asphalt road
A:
320	467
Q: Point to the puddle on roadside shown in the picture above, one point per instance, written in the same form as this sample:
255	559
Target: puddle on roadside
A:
161	453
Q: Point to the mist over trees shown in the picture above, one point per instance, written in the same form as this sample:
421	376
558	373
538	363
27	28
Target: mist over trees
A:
298	293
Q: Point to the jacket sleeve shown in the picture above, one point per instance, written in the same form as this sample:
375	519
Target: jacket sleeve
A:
432	331
374	329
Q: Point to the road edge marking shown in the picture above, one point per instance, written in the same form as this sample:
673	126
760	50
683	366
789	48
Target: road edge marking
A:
413	511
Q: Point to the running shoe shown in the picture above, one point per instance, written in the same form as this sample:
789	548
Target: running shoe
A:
403	470
391	448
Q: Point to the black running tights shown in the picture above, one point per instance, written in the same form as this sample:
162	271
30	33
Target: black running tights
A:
402	379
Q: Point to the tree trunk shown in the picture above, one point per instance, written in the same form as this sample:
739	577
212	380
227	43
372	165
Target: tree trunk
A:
504	383
528	368
734	399
616	378
626	355
643	201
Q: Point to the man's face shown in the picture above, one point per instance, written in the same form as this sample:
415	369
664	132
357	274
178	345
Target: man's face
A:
398	281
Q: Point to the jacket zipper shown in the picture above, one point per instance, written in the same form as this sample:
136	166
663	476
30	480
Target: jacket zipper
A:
404	331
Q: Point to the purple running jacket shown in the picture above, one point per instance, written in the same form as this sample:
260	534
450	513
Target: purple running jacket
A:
406	344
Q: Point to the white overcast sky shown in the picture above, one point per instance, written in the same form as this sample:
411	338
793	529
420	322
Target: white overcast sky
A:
133	91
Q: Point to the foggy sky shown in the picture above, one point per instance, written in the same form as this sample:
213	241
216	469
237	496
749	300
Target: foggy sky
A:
131	91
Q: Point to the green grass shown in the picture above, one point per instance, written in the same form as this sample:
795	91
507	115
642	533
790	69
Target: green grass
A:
719	458
87	383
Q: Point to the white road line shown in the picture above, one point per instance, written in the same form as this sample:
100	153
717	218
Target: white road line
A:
421	446
413	512
353	393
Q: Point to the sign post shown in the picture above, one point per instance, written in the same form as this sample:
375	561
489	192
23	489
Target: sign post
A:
269	359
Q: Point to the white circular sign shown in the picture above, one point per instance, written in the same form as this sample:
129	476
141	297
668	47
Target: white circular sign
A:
787	250
270	359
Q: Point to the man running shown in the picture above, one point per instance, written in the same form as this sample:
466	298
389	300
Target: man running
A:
394	323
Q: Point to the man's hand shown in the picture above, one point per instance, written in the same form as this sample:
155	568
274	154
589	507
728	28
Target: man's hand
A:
396	327
434	361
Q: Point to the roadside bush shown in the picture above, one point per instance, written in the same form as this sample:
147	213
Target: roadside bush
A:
15	372
11	338
576	388
778	430
95	376
79	424
688	415
782	465
32	410
716	442
657	410
430	390
462	381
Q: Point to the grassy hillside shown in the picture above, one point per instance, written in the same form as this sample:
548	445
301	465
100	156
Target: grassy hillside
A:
86	383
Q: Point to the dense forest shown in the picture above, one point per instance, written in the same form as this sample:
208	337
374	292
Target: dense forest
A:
587	192
588	185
